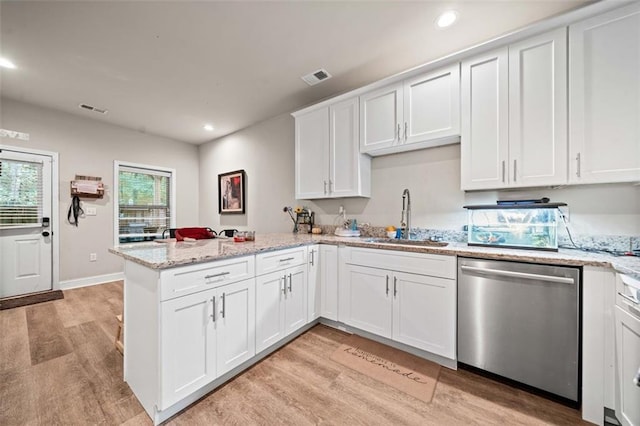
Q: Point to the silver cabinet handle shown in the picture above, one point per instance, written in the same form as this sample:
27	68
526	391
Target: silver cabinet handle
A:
387	285
324	182
398	132
221	274
290	289
515	168
628	298
578	165
223	305
395	286
284	289
405	130
312	257
330	183
287	259
213	314
503	170
513	274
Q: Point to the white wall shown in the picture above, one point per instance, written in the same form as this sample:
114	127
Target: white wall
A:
89	147
265	152
433	176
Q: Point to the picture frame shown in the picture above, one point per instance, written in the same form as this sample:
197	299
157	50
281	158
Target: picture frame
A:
231	192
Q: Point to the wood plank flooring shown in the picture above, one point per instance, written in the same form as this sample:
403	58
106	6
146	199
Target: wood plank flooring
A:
59	366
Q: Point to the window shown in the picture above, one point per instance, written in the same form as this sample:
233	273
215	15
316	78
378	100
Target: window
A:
144	203
20	193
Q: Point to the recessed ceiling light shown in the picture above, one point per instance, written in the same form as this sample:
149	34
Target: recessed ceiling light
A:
5	63
208	127
447	18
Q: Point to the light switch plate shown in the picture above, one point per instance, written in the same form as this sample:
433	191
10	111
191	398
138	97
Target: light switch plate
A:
91	211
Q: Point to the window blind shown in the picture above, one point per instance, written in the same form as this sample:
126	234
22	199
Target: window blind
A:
144	203
20	193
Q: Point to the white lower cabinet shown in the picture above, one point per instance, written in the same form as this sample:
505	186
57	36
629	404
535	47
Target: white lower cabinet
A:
627	365
281	305
424	313
369	304
204	335
411	308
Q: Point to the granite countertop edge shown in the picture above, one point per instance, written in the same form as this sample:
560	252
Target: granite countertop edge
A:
173	254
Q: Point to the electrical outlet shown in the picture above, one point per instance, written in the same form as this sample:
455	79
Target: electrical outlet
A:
340	209
90	211
93	257
564	212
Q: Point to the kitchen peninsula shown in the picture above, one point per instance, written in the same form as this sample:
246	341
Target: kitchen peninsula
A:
198	313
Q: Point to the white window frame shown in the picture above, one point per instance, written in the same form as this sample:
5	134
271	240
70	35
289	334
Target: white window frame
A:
116	193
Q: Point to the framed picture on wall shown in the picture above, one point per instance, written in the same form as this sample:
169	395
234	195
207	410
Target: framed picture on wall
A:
231	192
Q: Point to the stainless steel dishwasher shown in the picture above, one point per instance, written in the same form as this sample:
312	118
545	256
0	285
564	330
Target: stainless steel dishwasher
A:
521	321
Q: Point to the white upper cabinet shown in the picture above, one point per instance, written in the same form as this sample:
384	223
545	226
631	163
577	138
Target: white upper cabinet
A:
514	115
380	118
538	110
328	162
419	112
312	154
432	106
485	127
604	103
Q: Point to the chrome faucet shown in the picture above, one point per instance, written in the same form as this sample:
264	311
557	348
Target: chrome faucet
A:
405	221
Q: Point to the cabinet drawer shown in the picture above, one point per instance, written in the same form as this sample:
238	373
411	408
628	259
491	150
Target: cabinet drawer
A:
435	265
193	278
280	259
628	294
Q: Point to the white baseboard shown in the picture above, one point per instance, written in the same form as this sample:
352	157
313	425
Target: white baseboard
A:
88	281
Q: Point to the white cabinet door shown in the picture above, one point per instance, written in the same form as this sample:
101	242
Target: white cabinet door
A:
604	102
295	312
269	309
485	121
329	281
235	325
538	110
369	301
424	313
432	106
348	169
312	154
380	118
188	346
628	366
314	283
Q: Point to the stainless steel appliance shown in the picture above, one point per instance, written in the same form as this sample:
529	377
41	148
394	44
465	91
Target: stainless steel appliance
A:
521	321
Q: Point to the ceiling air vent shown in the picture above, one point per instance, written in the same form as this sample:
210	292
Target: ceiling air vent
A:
92	108
316	77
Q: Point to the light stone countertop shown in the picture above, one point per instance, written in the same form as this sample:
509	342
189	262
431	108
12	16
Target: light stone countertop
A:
162	255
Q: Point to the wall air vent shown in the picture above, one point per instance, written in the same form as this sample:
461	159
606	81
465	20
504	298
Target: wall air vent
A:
316	77
92	108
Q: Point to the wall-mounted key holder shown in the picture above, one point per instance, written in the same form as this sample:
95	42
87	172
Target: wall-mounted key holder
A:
87	187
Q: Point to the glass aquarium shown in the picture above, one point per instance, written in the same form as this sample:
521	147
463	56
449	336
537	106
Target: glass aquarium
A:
532	226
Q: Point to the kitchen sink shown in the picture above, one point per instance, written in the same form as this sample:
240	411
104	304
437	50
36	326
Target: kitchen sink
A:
400	242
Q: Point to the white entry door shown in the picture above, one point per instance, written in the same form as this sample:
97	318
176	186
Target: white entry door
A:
26	254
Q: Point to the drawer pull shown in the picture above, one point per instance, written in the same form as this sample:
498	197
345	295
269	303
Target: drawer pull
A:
628	298
287	259
221	274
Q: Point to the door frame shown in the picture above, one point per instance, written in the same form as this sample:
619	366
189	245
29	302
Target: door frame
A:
55	208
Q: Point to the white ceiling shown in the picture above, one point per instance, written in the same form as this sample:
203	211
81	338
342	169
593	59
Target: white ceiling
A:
167	68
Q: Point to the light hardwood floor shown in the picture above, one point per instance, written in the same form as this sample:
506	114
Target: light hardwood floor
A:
59	366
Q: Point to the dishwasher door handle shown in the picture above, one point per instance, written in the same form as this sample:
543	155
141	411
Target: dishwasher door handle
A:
514	274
